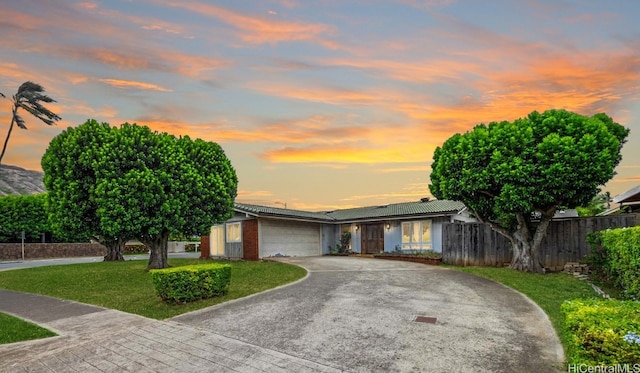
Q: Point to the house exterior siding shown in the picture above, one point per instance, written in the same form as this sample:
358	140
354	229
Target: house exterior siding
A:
256	231
330	237
392	235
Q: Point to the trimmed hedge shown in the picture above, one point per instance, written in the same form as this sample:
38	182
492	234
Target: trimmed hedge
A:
615	256
23	213
136	249
28	213
602	332
189	283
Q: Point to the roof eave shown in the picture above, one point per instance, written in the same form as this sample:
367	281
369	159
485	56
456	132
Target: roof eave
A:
620	198
398	217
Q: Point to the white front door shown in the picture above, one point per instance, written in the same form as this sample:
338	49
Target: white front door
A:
216	240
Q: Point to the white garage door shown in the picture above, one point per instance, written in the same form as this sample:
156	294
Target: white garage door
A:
289	238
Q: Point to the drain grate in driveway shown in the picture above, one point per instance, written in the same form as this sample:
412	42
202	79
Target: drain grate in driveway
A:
425	319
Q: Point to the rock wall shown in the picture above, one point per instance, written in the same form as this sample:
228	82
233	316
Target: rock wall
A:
13	251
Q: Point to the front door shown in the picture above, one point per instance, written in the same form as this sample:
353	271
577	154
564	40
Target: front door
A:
372	238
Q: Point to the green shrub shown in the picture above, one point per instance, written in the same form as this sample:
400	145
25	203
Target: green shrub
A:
189	283
602	332
190	248
621	258
136	249
598	257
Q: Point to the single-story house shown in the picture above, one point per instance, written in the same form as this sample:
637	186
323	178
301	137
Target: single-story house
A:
256	231
628	202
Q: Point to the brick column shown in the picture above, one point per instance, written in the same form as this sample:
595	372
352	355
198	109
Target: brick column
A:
250	250
205	250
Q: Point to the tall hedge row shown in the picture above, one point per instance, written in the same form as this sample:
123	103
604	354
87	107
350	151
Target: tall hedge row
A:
28	213
615	255
23	213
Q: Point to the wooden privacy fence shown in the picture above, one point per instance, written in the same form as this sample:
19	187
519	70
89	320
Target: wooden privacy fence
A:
476	244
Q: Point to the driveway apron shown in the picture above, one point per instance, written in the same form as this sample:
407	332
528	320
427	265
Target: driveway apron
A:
371	315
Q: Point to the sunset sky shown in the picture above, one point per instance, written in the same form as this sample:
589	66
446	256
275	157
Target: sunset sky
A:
321	104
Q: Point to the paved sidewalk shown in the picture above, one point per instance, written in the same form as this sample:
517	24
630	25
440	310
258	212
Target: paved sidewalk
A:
94	339
28	263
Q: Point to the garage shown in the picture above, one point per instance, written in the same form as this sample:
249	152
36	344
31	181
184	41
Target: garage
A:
289	238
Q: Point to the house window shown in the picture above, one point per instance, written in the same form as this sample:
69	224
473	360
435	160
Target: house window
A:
233	232
416	235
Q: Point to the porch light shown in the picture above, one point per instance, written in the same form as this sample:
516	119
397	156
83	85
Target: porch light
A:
388	226
357	227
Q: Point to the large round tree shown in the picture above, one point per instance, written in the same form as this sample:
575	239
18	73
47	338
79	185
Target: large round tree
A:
148	185
153	184
70	176
515	175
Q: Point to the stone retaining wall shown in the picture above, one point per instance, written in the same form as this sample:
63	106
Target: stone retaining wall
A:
13	251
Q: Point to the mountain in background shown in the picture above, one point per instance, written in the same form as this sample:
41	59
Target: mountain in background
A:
16	180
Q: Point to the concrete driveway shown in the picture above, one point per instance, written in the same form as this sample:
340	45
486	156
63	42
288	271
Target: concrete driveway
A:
359	314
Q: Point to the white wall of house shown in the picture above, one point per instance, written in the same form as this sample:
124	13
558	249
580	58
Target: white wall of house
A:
330	237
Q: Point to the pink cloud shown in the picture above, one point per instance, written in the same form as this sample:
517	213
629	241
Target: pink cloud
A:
119	83
256	30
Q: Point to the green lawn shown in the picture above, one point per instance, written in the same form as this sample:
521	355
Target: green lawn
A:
13	329
126	286
548	291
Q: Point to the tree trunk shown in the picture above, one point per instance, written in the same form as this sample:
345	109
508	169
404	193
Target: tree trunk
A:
526	249
6	141
525	259
158	246
115	250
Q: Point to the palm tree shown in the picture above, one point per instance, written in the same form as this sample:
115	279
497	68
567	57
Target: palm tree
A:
28	98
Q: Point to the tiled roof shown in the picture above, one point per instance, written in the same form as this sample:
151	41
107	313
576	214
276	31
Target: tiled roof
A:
394	210
398	210
274	211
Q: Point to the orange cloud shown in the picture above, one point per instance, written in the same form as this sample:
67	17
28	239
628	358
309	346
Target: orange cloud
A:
119	83
346	154
258	30
625	179
127	55
13	75
334	96
318	207
102	114
409	71
411	169
253	193
88	5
